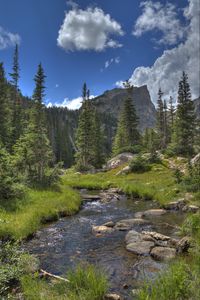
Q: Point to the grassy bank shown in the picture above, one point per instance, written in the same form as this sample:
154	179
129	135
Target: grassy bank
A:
85	283
159	183
37	207
182	279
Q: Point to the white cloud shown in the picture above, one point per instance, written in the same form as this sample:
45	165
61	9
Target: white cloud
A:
89	29
167	69
72	104
114	60
8	39
163	18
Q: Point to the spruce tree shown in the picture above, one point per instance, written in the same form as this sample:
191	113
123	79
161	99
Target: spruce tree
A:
185	119
160	120
33	151
84	132
5	126
127	135
171	115
97	155
17	118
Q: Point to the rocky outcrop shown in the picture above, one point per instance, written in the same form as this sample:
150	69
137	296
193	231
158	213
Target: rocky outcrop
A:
111	103
163	253
159	246
127	224
119	160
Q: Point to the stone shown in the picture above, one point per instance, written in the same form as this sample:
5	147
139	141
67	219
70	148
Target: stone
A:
163	253
183	245
176	205
101	229
130	223
140	247
190	208
195	160
125	170
119	160
154	212
109	224
135	292
86	197
112	297
156	235
132	236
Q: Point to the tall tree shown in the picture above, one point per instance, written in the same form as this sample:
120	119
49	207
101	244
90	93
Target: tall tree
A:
84	132
5	126
185	119
160	120
33	151
127	134
17	119
15	74
171	118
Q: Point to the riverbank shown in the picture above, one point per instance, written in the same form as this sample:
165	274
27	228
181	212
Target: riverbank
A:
38	207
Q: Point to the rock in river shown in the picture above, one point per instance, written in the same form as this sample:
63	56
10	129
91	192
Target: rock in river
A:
163	253
130	223
140	247
101	229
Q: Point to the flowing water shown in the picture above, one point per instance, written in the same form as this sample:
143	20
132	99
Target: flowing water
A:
62	245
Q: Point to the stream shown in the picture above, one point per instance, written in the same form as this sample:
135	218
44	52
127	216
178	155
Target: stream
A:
62	245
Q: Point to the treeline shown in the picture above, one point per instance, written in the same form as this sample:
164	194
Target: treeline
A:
26	156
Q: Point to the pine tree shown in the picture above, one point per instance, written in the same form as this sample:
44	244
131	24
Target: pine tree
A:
97	155
84	132
127	135
33	151
185	119
160	120
171	114
166	125
17	118
5	126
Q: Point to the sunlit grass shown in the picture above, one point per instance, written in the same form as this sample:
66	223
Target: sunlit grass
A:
38	207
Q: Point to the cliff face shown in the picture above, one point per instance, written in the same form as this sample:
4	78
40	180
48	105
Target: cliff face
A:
111	102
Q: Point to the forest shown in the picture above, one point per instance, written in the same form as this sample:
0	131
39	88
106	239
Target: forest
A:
55	161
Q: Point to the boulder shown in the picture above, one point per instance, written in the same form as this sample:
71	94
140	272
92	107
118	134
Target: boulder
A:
163	253
119	160
130	223
183	245
190	208
101	229
176	205
152	212
88	198
132	236
124	171
109	224
140	247
112	297
106	197
196	160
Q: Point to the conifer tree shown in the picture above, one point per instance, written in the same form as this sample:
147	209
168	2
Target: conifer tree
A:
171	118
17	118
33	151
84	132
97	142
127	134
185	119
5	126
160	120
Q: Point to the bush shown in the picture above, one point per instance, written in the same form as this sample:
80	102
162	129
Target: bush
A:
139	165
154	158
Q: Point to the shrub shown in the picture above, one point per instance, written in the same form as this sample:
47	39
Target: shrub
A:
139	165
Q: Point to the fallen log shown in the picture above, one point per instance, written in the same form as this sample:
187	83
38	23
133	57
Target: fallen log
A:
45	273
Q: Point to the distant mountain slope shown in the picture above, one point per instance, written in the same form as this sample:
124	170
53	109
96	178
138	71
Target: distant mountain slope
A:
111	102
197	106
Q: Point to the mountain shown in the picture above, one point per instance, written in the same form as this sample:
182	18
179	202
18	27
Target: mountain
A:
197	107
110	103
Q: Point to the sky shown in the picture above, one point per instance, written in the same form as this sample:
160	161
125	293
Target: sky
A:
102	43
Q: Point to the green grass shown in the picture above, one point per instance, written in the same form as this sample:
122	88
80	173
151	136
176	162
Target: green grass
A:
182	279
86	283
38	207
159	183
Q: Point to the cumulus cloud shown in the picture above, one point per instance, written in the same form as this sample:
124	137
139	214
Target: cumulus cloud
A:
167	69
163	18
8	39
72	104
89	29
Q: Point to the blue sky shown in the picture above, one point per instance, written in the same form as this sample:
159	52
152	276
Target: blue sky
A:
101	42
